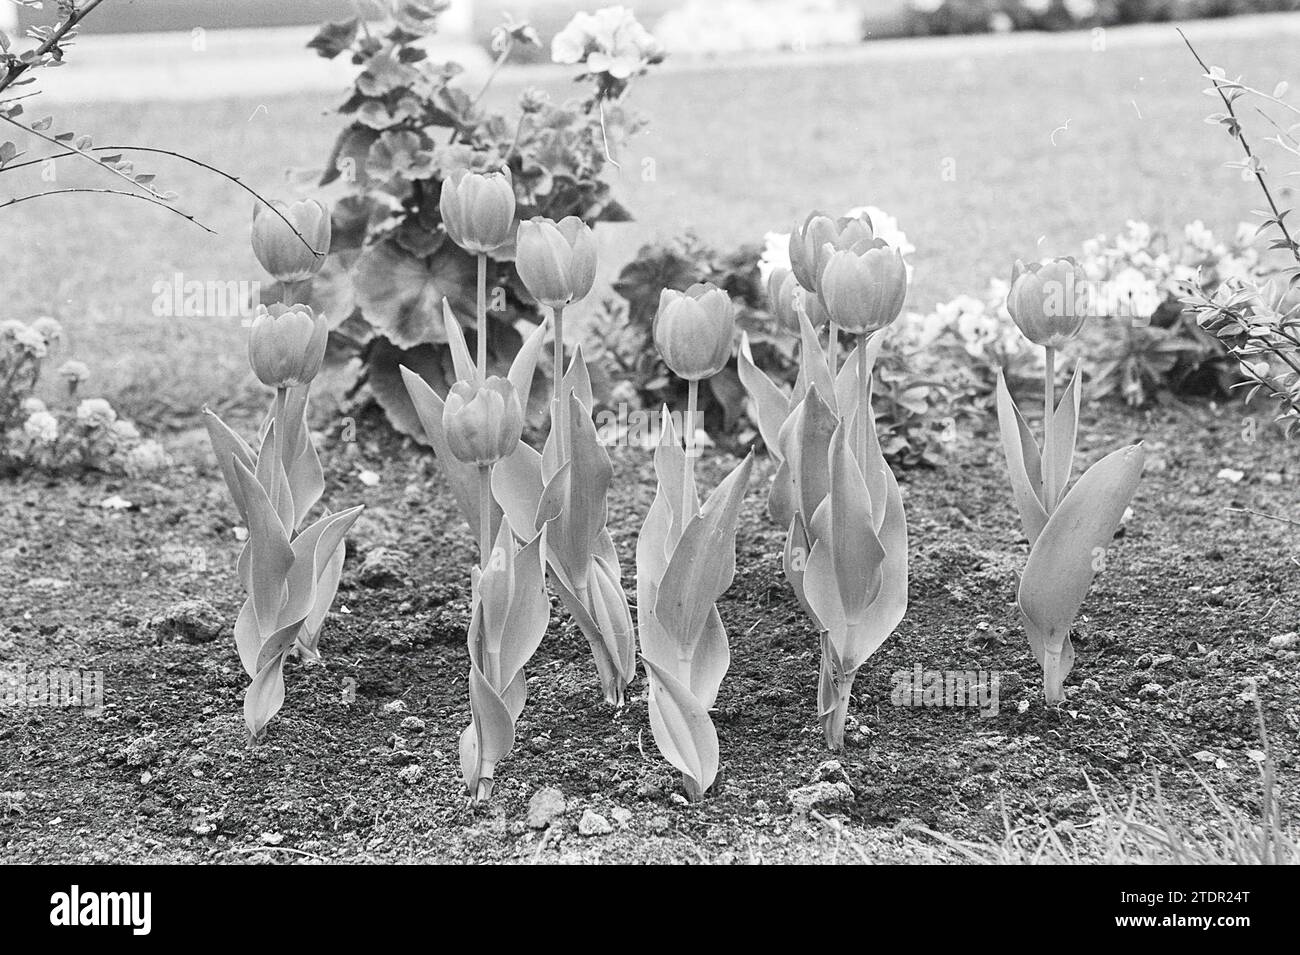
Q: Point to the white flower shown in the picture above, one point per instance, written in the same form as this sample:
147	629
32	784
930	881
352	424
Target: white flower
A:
49	329
776	254
1133	295
1036	6
885	227
611	40
125	431
1081	9
1198	236
146	457
74	372
32	405
96	413
926	6
42	427
28	339
1001	23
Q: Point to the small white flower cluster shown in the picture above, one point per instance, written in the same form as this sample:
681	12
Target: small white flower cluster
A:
611	41
1132	275
32	434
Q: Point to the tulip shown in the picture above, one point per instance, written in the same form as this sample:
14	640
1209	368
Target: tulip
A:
782	291
693	330
478	210
556	260
808	244
286	345
863	287
482	421
286	255
1046	301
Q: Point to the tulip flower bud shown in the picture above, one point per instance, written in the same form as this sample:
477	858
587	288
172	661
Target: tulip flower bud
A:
282	253
1048	302
693	330
863	287
808	243
482	421
556	260
782	289
478	210
286	345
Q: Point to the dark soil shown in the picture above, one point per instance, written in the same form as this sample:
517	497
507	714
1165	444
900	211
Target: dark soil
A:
1173	639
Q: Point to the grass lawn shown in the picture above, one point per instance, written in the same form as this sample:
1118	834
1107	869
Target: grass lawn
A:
736	152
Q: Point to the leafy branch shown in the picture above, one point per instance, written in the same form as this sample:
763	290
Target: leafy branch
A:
49	51
1229	91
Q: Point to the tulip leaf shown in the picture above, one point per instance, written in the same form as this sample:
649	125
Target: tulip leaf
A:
461	359
264	696
517	487
529	612
1023	465
229	447
269	554
1065	426
303	471
524	367
794	560
812	359
462	477
808	447
1072	547
612	616
491	734
856	553
671	471
783	496
703	563
577	380
326	589
770	403
682	730
710	662
248	641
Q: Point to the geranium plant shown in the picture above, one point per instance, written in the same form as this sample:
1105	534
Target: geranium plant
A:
411	127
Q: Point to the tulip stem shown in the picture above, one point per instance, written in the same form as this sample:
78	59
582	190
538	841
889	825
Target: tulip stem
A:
833	346
482	316
1049	440
484	514
560	401
688	437
278	425
864	401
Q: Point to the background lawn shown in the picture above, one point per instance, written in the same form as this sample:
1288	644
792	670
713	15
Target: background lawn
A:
737	150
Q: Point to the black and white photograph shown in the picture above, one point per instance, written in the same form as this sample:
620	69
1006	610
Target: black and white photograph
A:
676	432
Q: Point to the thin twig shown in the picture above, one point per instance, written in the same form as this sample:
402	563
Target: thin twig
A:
1271	517
1245	146
109	192
74	150
60	31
